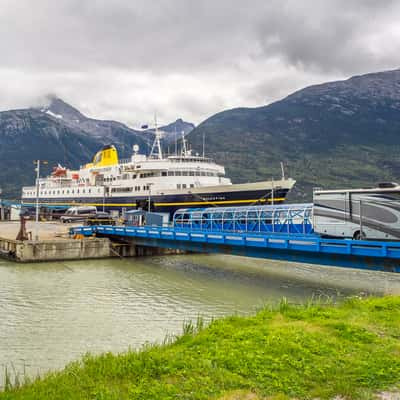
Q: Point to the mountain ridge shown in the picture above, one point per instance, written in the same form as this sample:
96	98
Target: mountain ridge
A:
316	131
335	134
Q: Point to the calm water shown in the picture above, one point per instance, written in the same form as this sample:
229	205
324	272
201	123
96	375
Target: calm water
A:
53	313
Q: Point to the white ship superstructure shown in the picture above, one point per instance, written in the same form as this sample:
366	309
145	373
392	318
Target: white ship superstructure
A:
156	181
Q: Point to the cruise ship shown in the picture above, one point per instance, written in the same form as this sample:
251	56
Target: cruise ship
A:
157	182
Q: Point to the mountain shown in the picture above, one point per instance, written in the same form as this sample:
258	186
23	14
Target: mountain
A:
105	131
337	134
26	135
58	133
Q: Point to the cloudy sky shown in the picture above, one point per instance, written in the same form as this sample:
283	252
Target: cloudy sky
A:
125	59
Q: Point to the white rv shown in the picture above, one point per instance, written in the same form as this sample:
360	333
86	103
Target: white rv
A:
358	213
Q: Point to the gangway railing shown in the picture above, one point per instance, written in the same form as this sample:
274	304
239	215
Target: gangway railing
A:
287	218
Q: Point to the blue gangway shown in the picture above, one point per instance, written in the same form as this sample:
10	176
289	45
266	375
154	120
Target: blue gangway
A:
307	248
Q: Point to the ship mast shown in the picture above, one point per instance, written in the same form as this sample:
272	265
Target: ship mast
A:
184	149
156	151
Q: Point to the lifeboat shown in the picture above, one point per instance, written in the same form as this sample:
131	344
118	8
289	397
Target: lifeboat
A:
59	171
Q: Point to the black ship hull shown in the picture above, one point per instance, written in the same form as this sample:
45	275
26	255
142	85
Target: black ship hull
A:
168	203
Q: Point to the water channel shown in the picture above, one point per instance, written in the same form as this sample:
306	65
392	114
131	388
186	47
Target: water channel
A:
53	313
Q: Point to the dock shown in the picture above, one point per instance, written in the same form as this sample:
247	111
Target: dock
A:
54	244
57	244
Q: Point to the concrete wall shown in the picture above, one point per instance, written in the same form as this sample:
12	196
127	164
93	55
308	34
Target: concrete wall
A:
50	250
74	249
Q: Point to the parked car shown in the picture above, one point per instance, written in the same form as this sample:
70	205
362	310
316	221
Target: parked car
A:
78	214
100	218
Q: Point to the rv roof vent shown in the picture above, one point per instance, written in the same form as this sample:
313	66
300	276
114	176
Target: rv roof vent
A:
384	185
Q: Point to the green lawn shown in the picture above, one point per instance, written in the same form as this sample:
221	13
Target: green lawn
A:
311	351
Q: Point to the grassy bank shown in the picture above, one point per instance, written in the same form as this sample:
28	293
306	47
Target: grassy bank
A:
310	351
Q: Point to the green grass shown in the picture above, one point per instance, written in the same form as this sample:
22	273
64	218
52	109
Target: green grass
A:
310	351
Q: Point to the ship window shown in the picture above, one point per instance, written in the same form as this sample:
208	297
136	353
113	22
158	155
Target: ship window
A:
89	190
178	186
209	174
163	173
121	190
63	192
83	191
77	191
191	173
178	173
183	185
202	173
192	185
197	173
147	175
185	173
171	173
67	191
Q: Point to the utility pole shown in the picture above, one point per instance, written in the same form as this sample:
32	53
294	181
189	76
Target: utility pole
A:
149	201
37	198
1	207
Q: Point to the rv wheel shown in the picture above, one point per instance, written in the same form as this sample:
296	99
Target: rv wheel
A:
358	235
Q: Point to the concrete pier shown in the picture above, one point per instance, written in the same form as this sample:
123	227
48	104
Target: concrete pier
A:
52	250
55	244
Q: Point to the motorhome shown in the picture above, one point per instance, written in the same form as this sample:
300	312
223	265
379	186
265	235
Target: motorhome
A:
358	213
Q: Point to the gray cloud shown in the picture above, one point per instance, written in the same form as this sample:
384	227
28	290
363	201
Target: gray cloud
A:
186	58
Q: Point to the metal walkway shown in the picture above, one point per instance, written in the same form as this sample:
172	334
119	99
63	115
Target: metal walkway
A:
373	255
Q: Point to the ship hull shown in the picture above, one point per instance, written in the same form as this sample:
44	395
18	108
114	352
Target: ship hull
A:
236	195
